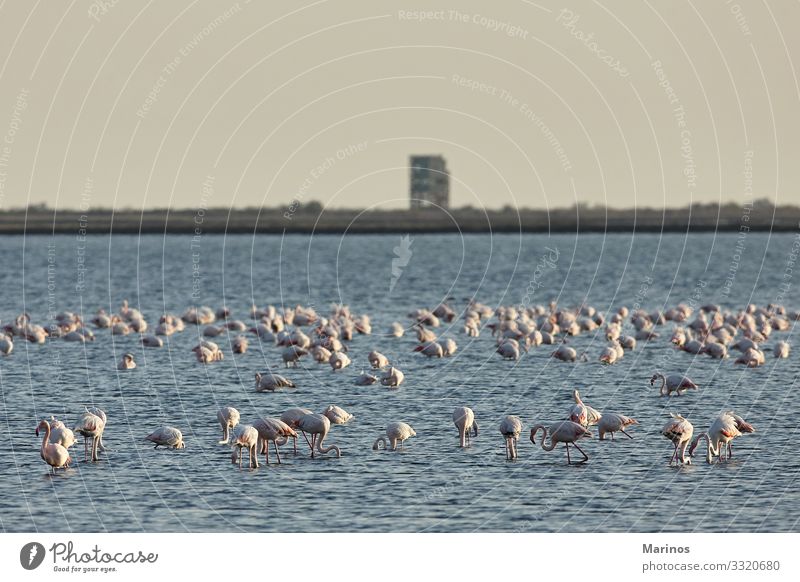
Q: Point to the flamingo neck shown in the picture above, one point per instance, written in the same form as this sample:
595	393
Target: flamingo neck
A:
377	444
46	438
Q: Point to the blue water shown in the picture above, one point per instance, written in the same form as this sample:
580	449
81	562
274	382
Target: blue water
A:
432	485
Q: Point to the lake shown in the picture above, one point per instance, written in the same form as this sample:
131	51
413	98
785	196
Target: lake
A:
432	485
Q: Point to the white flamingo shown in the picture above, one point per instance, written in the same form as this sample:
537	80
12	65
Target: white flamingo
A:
679	431
166	436
53	454
673	383
318	426
292	418
397	433
228	418
245	437
377	360
611	422
581	413
337	415
393	378
566	432
510	427
269	382
127	362
273	430
464	419
90	426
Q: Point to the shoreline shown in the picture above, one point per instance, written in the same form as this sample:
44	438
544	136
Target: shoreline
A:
753	218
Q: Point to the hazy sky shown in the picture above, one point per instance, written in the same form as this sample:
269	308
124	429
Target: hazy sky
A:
180	104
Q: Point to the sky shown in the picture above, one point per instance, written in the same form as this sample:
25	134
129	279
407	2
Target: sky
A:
188	104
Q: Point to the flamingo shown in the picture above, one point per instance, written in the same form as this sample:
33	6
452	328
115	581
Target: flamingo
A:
166	436
245	437
53	454
566	432
672	383
338	361
365	379
6	344
377	360
60	434
464	419
509	350
431	349
781	349
566	353
291	354
396	329
726	427
292	418
318	425
337	415
275	430
152	341
90	425
269	382
228	418
510	427
393	378
240	344
611	422
679	431
127	363
397	432
581	413
449	347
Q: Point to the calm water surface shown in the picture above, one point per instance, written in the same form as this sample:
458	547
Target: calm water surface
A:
432	485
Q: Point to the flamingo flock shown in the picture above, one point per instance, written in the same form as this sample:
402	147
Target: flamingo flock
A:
303	337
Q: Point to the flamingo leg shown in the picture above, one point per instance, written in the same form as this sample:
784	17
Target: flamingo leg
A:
266	450
240	457
313	440
254	456
622	430
674	456
585	456
85	449
730	449
294	440
569	462
306	437
276	451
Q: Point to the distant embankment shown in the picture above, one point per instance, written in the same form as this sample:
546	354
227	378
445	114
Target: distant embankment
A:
730	218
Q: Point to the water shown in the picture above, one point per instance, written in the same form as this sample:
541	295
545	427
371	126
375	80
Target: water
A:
432	485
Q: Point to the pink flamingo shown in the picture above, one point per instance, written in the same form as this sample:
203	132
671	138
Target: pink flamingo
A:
566	432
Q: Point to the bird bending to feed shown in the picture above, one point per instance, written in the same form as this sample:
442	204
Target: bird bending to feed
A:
611	422
393	378
127	362
275	430
510	427
292	418
566	432
245	437
726	427
673	383
365	379
318	426
166	436
269	382
337	415
397	433
90	426
464	419
54	454
377	360
228	418
679	431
